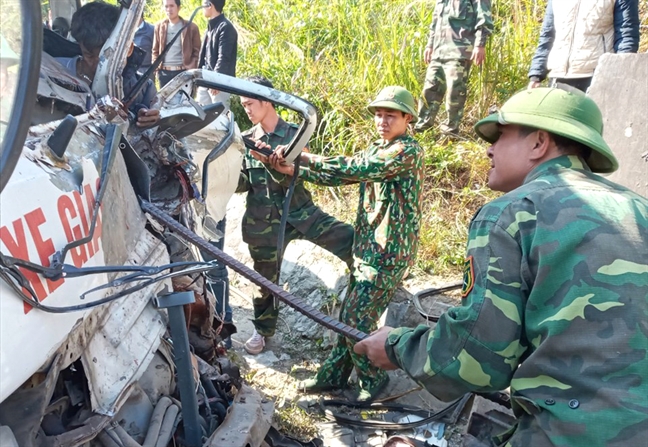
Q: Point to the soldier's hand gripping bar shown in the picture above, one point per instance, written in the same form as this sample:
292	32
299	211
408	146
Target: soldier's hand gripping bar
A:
250	144
295	302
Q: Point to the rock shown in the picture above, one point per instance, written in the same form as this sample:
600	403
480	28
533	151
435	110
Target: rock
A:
337	436
307	271
319	277
619	88
263	360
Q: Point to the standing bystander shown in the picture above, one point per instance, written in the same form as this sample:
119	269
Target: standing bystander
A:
575	34
457	39
218	51
183	54
144	40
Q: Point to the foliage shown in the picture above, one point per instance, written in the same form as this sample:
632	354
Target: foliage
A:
339	53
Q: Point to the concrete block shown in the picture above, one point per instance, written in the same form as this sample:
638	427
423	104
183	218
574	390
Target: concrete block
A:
620	88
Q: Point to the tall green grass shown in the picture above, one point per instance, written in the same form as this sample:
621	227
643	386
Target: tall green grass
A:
339	53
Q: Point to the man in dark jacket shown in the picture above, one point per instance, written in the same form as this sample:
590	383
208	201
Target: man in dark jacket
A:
575	34
144	39
218	52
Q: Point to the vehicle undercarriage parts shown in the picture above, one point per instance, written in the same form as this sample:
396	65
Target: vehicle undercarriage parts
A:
61	137
449	413
416	299
296	303
16	280
24	411
163	423
174	303
206	327
247	421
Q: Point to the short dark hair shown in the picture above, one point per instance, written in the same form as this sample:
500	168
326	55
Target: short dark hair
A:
258	79
61	26
93	23
218	4
565	145
261	80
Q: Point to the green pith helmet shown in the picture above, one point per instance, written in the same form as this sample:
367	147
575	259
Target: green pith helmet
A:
394	97
7	55
571	115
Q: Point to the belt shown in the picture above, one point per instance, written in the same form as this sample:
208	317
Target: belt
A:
171	67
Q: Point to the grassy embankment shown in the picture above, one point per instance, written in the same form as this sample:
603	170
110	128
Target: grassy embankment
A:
339	53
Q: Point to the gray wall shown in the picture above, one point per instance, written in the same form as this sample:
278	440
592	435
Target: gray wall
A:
620	88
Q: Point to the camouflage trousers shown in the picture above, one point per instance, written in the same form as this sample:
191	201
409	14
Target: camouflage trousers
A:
449	76
361	309
328	233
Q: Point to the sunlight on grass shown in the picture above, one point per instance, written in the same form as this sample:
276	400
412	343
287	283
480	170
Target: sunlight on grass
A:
339	53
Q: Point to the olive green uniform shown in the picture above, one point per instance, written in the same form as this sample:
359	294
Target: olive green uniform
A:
555	305
457	27
385	245
266	192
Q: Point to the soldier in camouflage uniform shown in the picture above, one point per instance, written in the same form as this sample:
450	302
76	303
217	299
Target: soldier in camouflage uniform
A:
555	296
457	38
266	192
390	174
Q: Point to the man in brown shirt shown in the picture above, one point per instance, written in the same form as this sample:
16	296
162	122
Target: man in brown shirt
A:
183	55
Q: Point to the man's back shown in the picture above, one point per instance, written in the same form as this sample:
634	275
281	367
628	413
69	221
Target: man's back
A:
144	39
577	296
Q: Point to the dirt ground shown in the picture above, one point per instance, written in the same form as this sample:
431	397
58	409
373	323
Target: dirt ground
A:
288	359
290	356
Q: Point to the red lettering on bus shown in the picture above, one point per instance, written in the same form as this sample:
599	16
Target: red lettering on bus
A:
44	247
67	212
18	249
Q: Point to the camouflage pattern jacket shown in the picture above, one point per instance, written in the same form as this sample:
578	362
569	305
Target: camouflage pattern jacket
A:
389	212
457	26
555	305
265	194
